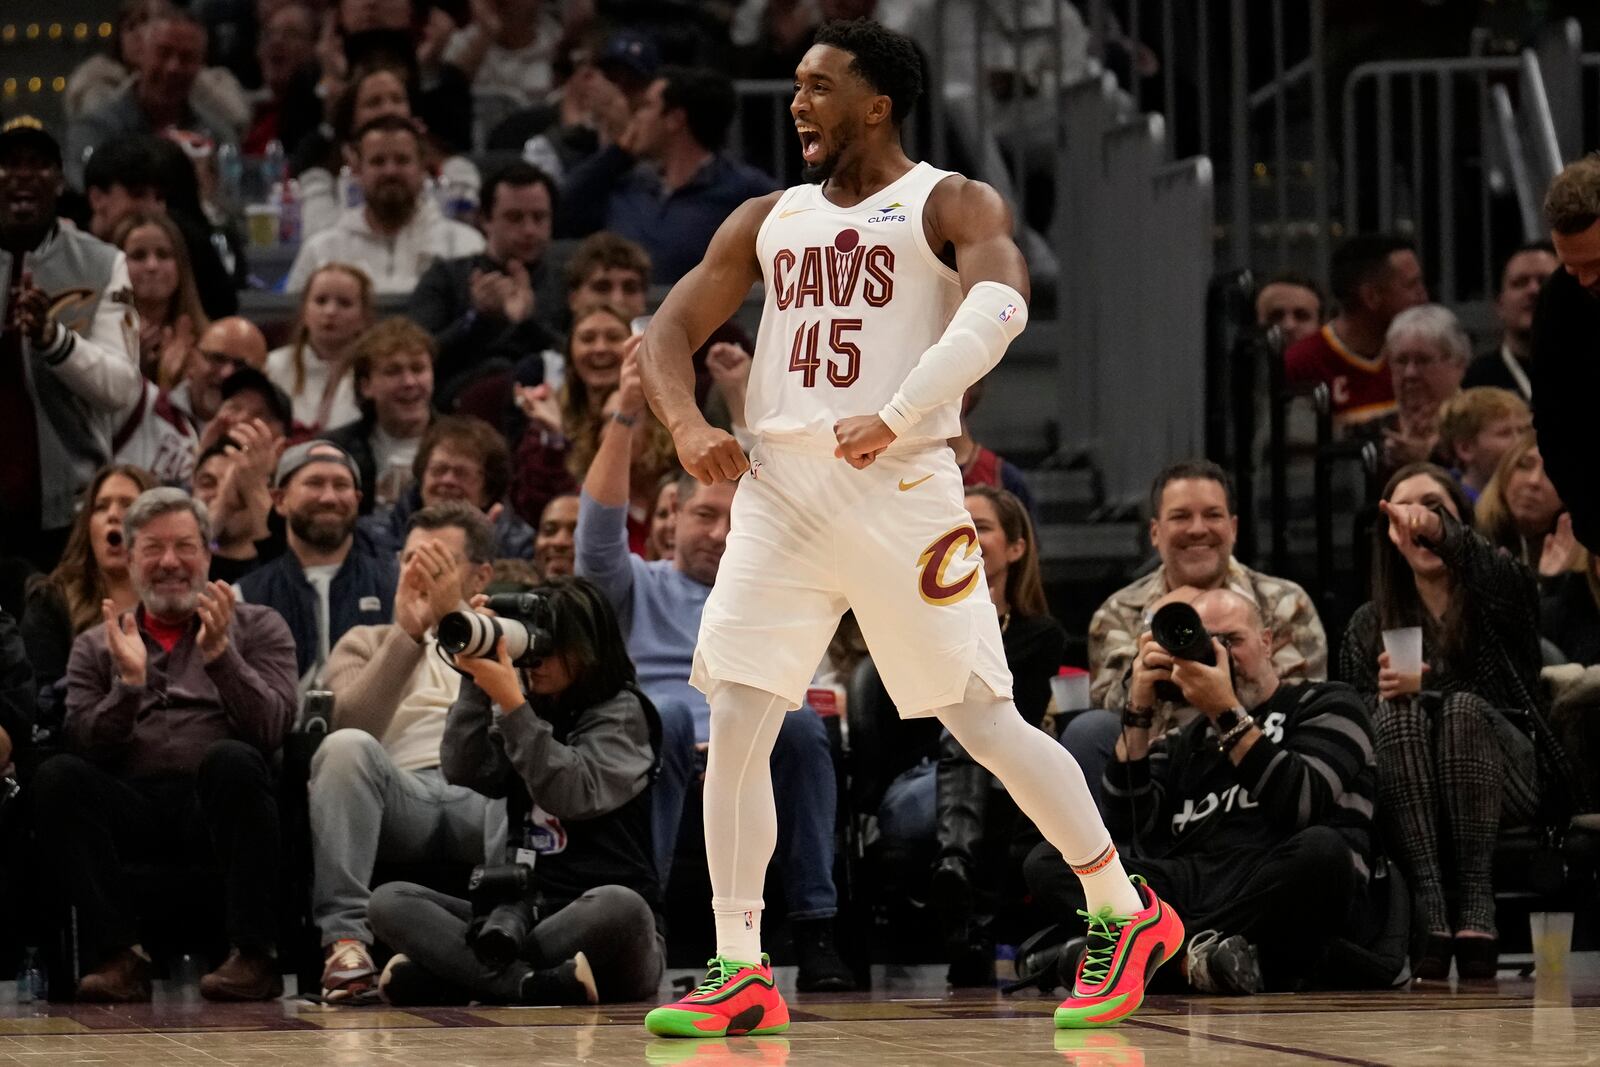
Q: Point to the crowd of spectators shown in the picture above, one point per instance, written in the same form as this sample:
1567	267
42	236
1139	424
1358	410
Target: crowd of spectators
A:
231	520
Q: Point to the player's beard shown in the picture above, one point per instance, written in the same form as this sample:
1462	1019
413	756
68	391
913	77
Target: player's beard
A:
822	170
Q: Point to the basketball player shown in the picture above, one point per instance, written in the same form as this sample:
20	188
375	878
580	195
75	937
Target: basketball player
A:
890	288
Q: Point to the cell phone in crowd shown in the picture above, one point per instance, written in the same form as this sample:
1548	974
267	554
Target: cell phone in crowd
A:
640	325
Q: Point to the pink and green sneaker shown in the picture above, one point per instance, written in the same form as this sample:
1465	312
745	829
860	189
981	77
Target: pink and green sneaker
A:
736	998
1124	951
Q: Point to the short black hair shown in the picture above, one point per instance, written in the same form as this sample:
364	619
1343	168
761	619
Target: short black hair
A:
587	634
885	60
1532	246
1360	260
1297	279
387	124
1187	469
708	101
516	174
130	162
221	447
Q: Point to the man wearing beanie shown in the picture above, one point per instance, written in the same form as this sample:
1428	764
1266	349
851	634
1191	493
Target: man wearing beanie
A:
330	579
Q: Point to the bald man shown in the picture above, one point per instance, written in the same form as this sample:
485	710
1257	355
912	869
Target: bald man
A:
1259	810
227	345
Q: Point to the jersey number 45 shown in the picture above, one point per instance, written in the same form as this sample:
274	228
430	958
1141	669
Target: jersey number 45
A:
804	358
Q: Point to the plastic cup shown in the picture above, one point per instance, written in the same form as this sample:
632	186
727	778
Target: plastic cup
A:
1551	934
1404	646
261	223
1071	690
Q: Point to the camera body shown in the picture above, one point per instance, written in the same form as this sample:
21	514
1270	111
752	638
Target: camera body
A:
525	620
505	908
1177	629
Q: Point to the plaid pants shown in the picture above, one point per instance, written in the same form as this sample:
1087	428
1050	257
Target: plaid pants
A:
1460	763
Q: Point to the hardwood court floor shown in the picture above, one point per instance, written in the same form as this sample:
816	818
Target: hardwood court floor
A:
908	1021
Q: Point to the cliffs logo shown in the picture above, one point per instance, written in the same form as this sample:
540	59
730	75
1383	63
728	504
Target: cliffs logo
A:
893	213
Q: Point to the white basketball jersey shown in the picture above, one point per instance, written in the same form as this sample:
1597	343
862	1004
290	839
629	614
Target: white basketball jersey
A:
854	297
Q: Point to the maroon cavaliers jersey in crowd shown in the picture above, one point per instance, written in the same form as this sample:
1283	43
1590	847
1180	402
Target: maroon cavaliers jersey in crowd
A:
1362	388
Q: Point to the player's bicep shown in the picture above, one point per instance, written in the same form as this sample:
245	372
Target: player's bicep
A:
712	292
976	220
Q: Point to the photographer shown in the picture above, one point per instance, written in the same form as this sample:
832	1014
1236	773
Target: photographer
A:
576	755
1254	819
1194	526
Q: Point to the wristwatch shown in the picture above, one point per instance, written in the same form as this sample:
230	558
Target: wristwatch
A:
1229	719
1138	718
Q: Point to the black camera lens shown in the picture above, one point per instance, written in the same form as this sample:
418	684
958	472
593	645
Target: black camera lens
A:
1178	629
456	631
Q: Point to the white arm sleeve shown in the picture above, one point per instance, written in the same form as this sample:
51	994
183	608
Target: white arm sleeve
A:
988	320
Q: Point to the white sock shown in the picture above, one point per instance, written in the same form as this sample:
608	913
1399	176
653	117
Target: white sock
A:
1048	785
738	930
741	819
1105	883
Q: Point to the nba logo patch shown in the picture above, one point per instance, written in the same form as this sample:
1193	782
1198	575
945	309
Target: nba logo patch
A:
755	468
1007	311
749	920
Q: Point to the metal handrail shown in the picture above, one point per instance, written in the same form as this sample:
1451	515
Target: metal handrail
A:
1389	69
1290	78
1546	146
1445	77
1505	121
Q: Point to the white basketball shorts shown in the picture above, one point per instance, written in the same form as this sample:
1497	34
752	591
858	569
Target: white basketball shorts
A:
811	536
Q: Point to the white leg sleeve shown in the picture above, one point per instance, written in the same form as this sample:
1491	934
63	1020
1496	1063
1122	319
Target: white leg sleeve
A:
1047	784
741	819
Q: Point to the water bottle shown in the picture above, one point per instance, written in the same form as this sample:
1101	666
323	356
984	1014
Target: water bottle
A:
458	189
274	164
350	193
230	176
289	213
31	984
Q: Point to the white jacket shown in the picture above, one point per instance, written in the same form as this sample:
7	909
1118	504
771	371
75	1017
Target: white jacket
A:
393	263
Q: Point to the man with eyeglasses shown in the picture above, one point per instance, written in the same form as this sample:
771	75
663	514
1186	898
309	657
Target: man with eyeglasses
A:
331	579
225	346
163	432
1428	351
461	459
173	713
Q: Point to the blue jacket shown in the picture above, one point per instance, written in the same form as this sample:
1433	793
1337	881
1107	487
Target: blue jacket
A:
362	594
610	191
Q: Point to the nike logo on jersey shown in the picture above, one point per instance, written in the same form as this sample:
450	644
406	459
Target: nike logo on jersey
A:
906	486
796	211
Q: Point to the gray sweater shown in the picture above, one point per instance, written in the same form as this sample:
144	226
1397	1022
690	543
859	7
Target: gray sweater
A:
603	763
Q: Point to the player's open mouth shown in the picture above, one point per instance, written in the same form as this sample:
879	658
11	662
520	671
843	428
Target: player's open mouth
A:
810	142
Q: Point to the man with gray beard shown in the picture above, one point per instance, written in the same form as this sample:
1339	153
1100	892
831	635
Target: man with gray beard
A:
332	578
173	712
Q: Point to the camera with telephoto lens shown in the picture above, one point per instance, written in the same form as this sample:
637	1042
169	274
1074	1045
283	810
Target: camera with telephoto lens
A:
1178	629
505	906
523	619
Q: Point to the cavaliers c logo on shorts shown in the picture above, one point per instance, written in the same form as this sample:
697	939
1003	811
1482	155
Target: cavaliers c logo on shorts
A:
933	583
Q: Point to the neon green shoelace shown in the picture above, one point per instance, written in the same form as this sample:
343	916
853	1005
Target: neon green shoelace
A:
1104	929
718	971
